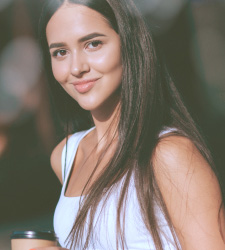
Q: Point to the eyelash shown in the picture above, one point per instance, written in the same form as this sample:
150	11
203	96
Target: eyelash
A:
98	42
54	54
93	42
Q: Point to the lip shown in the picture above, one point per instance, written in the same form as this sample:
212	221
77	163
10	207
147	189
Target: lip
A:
84	86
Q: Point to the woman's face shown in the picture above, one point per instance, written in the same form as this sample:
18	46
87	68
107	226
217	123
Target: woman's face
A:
85	55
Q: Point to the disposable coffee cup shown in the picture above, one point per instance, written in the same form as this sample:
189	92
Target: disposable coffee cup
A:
26	240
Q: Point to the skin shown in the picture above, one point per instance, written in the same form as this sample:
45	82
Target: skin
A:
49	248
187	183
191	193
77	60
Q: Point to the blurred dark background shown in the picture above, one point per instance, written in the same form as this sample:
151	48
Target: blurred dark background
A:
190	35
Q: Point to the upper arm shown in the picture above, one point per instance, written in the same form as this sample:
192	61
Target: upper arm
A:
55	159
191	193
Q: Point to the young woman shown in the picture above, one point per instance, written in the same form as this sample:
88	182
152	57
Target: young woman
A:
140	176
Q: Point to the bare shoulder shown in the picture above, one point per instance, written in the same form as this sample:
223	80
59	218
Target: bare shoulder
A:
191	193
56	159
179	159
174	150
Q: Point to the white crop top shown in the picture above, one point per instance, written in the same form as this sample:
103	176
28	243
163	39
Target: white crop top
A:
136	235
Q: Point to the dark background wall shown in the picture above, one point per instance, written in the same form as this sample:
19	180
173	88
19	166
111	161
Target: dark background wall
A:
190	36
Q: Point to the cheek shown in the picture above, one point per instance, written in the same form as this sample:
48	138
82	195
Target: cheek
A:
108	61
60	71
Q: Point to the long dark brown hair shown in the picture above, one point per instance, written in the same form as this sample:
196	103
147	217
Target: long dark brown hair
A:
149	102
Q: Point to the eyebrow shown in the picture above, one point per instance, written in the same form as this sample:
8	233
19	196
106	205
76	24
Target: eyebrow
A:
82	39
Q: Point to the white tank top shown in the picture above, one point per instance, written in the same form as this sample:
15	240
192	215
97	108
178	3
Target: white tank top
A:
104	238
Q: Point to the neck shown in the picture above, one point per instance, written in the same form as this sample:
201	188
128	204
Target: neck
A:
106	121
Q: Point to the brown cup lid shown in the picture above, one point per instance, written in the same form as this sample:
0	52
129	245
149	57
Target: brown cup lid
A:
44	235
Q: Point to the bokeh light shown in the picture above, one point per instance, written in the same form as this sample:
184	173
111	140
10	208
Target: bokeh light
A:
208	52
19	72
4	4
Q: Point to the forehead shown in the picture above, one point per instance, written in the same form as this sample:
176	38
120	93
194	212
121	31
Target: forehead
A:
76	19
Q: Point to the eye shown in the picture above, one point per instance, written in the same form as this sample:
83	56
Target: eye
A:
94	45
59	53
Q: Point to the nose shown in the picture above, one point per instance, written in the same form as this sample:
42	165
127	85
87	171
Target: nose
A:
79	64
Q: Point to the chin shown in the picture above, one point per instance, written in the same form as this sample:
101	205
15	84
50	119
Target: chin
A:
88	106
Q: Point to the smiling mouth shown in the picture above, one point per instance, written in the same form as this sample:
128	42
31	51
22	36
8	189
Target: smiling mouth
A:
84	85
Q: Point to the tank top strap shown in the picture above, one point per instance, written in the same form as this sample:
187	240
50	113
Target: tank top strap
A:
69	151
167	130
